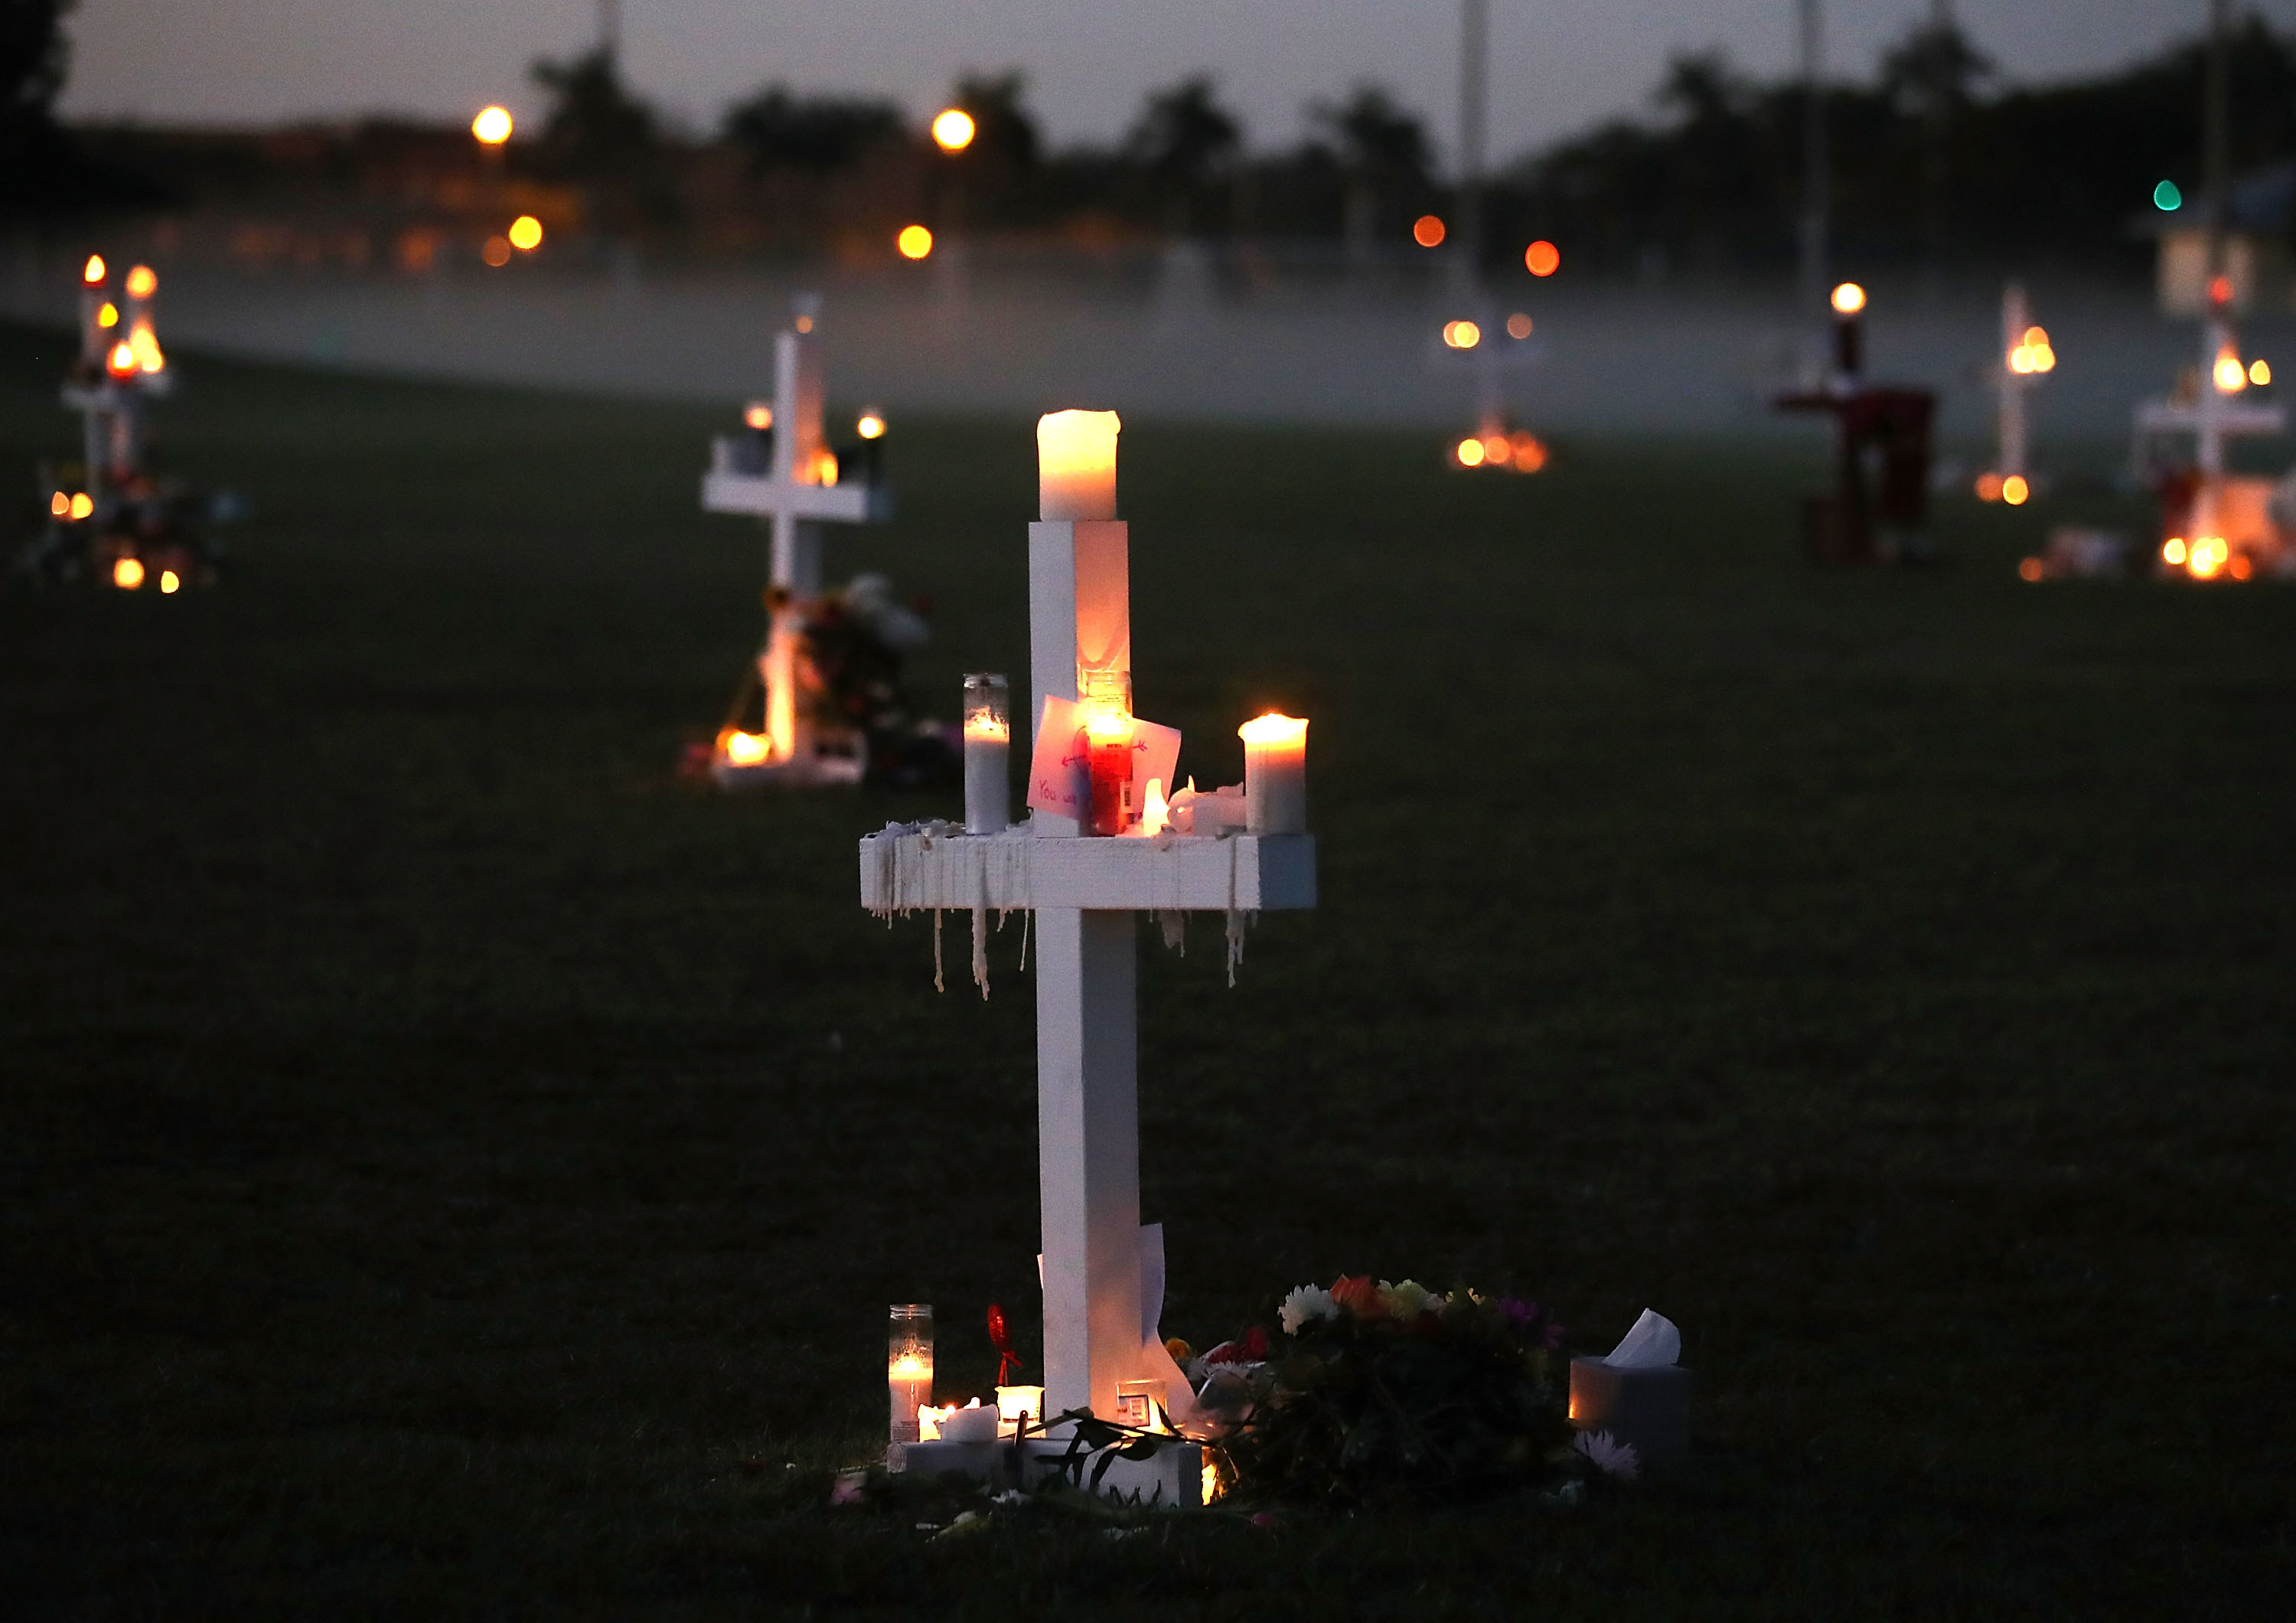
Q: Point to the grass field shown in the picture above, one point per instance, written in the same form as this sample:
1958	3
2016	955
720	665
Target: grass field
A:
449	1166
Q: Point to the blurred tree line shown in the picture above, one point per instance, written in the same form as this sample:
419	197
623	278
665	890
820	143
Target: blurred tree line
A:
1939	160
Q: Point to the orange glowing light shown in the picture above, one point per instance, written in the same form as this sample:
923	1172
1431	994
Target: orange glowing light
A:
871	426
2031	569
2020	359
1518	325
1529	451
759	416
144	346
2045	358
2231	376
94	271
121	361
141	283
1849	299
745	749
2259	373
2207	556
804	324
1470	452
914	242
1427	231
954	129
82	505
60	504
2014	490
526	233
107	315
496	253
2219	290
1108	726
2240	568
1497	452
824	468
492	125
1542	257
1155	810
170	582
1462	335
128	573
2172	552
1989	487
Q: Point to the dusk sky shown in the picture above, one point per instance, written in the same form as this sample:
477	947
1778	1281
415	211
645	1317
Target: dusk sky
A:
1557	65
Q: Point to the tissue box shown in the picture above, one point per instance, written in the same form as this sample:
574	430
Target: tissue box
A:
1647	1407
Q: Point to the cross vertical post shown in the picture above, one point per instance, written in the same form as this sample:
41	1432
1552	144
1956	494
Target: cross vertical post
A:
1087	1041
798	492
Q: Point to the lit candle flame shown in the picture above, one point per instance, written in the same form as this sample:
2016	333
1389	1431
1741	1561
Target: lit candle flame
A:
1849	299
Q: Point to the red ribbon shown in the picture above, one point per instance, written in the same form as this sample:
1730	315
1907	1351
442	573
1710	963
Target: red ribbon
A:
1001	1338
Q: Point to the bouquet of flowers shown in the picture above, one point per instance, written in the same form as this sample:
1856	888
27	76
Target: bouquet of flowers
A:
1366	1393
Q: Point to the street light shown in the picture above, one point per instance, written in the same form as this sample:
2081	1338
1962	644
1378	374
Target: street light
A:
952	129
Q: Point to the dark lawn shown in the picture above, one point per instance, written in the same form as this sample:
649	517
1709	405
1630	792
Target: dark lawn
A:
449	1166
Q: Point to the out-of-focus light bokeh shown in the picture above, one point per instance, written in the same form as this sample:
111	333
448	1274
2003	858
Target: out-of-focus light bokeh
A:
952	130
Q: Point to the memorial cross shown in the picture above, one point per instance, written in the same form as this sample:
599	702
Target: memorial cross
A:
798	491
1085	892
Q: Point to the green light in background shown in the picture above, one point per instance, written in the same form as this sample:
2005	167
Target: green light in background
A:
2167	198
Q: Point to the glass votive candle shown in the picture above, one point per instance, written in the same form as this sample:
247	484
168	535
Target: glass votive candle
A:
908	1365
1108	746
987	750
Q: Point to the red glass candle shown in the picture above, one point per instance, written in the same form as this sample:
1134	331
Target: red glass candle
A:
1108	738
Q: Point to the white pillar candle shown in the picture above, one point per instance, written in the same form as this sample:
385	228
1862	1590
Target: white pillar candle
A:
1075	465
1275	774
988	749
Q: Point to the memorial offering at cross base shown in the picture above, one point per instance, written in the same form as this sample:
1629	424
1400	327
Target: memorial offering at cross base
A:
821	701
2215	524
111	519
1864	519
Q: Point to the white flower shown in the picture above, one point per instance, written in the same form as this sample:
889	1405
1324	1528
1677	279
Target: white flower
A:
1307	1302
1611	1457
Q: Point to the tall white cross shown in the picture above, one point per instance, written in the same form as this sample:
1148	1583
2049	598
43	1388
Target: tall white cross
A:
800	491
2214	415
1086	892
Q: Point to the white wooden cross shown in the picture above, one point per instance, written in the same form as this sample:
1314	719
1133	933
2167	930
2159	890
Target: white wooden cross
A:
2213	415
1086	894
798	492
